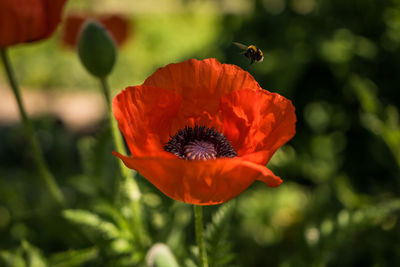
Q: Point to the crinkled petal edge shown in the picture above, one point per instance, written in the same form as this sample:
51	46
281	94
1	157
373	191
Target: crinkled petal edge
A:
200	182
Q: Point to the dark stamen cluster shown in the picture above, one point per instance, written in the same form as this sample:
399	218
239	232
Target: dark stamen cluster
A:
200	143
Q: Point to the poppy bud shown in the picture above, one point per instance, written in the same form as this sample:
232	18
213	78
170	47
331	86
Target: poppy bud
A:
160	255
96	49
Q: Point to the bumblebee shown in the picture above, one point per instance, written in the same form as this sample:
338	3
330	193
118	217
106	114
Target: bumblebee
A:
252	52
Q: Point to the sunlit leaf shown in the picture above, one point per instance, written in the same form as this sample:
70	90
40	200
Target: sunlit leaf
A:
87	219
73	258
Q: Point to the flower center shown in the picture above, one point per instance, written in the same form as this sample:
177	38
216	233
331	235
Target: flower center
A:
199	149
200	143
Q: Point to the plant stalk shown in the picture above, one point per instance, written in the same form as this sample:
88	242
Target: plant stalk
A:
35	148
134	191
198	218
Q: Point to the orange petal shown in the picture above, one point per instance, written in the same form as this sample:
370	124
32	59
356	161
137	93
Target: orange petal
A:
71	28
200	182
266	175
115	24
201	84
257	121
144	116
28	20
118	26
53	10
214	95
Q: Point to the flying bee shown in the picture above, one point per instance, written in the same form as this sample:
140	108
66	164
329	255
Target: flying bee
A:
252	52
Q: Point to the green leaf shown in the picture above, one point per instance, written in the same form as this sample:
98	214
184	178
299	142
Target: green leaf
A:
92	221
218	247
99	171
12	259
97	49
72	258
25	255
33	256
115	215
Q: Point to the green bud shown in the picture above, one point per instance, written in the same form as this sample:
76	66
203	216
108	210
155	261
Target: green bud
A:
96	49
160	255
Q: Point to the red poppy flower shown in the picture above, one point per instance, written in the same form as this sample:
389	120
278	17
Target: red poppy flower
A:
115	24
202	131
28	20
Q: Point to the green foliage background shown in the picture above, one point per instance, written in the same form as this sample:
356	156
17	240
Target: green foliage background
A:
339	205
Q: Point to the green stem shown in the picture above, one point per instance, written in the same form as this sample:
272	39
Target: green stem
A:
35	148
128	182
198	218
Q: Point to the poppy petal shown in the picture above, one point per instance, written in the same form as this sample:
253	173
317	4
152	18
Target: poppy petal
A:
28	20
53	9
210	94
201	84
144	116
207	182
266	175
257	120
117	26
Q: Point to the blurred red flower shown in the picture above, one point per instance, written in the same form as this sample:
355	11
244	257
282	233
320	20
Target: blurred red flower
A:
202	131
28	20
115	24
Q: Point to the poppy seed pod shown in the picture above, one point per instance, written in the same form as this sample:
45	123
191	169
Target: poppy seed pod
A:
202	131
28	20
96	49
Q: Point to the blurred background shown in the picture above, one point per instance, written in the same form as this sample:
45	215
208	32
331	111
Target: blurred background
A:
339	205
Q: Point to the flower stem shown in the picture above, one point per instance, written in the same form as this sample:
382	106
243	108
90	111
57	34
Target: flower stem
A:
129	183
198	218
35	148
